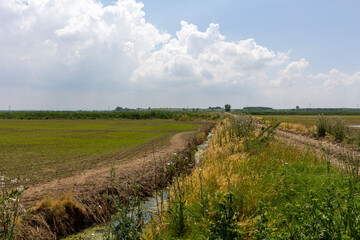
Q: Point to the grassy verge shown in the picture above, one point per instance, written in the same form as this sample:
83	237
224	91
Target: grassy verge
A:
250	186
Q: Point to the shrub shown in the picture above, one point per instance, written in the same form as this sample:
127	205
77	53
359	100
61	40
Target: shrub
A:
128	222
224	223
242	126
338	129
335	127
322	125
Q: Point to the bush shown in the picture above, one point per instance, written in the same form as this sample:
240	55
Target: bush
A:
224	223
335	127
242	126
128	222
322	125
338	129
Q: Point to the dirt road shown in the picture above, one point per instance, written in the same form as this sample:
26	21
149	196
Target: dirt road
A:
338	154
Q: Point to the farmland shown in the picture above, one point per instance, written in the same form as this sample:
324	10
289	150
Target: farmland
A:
243	187
37	151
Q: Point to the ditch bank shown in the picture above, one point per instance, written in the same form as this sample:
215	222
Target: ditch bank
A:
83	201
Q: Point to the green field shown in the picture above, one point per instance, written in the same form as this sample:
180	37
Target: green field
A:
41	150
309	120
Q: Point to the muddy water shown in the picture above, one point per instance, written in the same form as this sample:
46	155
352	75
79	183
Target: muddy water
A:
150	206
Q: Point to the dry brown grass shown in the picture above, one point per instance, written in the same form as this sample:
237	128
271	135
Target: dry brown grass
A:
296	127
56	218
64	213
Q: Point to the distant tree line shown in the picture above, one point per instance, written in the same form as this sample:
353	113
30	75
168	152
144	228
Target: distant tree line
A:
120	109
153	114
257	109
215	108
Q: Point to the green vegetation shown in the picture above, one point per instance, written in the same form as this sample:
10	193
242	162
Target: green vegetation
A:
152	114
227	107
9	210
128	221
258	109
335	126
250	186
40	150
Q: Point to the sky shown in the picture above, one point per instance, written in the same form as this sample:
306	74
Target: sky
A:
96	55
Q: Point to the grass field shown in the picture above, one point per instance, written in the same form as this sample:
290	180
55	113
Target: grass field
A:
309	120
41	150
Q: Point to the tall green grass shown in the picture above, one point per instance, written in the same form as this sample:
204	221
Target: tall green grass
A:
333	126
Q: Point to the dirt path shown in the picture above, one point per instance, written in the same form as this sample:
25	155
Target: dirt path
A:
135	170
337	153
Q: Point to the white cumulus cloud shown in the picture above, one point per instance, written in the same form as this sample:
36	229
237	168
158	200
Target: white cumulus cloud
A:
206	58
77	41
292	72
336	79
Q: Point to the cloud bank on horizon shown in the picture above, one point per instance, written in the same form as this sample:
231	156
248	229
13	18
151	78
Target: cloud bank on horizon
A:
83	55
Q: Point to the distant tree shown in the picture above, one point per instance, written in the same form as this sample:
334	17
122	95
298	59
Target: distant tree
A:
297	107
227	107
118	108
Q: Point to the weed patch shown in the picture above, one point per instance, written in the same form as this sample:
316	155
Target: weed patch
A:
10	209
